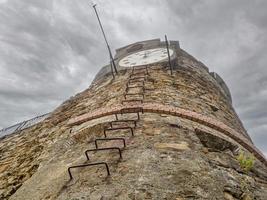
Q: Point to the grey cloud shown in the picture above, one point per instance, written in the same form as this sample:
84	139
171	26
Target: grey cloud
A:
43	51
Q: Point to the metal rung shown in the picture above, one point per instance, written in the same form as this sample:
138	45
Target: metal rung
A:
138	115
135	81
136	75
118	128
137	78
88	165
140	68
135	86
128	111
134	94
132	110
132	82
108	139
123	121
102	149
132	100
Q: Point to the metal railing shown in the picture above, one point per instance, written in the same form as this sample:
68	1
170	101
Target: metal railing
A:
23	125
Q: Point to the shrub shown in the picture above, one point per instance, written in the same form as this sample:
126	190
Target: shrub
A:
246	161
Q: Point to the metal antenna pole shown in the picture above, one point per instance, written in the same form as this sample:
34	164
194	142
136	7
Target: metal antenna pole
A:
110	54
111	69
167	46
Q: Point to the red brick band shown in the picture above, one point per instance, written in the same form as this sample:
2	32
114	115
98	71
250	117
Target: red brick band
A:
175	111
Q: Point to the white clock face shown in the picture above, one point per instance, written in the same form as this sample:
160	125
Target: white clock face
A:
145	57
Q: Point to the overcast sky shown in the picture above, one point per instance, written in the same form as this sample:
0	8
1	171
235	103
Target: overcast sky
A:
52	49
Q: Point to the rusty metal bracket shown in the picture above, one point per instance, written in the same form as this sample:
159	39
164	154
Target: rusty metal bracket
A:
131	100
102	149
138	78
135	82
132	110
140	68
123	121
108	139
116	117
135	86
118	128
134	94
140	73
88	165
138	115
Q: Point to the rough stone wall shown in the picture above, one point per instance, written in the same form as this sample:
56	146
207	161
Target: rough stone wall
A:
166	159
22	153
174	111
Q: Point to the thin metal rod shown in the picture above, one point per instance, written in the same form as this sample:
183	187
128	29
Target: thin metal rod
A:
137	78
135	83
138	115
112	59
102	29
109	139
131	100
135	86
87	165
132	76
134	94
136	110
138	73
123	121
116	116
118	128
102	149
21	125
140	68
169	58
112	69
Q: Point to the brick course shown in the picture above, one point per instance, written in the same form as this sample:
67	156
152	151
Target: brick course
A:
175	111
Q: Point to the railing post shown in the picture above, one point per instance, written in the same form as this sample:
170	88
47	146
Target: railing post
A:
169	58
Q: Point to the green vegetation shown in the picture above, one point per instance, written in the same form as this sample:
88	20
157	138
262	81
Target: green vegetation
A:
246	161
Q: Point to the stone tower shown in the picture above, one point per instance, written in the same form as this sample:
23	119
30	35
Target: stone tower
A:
148	133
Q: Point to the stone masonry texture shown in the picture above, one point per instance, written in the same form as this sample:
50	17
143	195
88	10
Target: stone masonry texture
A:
185	144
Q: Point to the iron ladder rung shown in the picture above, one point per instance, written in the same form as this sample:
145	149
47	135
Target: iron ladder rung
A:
110	139
123	121
134	94
131	81
135	86
135	83
132	100
102	149
131	110
138	78
137	113
87	165
140	68
118	128
136	75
